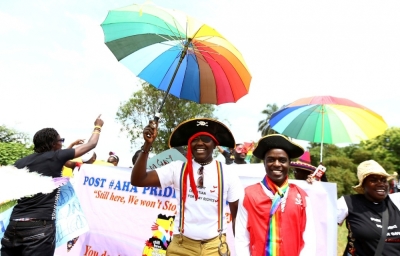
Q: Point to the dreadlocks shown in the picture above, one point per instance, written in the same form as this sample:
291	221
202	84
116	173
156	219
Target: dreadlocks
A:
44	140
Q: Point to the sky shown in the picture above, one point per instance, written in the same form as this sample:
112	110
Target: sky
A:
56	71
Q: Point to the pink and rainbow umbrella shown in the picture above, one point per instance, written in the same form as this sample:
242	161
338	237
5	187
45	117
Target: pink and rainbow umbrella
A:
177	54
327	119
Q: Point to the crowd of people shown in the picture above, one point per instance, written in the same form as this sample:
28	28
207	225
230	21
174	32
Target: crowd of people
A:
271	217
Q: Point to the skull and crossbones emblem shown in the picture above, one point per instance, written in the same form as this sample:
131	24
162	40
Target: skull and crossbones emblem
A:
202	123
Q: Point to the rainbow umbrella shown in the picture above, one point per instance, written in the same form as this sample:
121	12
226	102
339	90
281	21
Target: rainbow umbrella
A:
327	119
177	54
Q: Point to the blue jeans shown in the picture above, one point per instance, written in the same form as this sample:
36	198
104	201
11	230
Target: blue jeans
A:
23	238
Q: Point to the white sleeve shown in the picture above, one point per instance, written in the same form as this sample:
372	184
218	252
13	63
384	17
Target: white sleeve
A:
342	210
395	198
309	237
242	237
167	172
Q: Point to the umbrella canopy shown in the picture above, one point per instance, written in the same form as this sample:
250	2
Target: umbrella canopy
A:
176	53
327	119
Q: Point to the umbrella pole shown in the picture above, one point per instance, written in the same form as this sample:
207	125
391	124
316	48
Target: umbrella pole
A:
183	54
322	135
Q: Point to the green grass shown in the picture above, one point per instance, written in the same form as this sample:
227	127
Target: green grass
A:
342	239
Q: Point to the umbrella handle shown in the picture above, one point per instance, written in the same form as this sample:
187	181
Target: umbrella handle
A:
156	118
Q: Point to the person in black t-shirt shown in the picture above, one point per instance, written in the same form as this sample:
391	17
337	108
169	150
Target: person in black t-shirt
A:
229	157
32	228
364	213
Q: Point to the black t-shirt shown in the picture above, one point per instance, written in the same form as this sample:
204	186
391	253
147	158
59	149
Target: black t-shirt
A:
42	206
364	223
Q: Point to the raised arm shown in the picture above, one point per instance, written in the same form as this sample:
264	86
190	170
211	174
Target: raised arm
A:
77	142
139	176
221	150
91	144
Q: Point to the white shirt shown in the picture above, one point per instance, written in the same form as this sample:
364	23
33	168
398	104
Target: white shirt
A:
201	216
242	238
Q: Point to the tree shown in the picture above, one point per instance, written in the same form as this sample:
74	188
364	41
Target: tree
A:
13	145
12	135
340	169
385	149
135	114
357	153
12	151
263	125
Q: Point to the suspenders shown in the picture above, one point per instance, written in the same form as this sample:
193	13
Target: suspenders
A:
220	206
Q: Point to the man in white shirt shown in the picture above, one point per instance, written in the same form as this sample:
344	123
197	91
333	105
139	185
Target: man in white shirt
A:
202	185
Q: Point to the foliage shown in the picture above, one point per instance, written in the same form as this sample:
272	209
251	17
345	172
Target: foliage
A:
357	153
385	149
11	135
135	114
12	151
340	169
263	125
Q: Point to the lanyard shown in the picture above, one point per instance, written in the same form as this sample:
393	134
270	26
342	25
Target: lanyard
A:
220	198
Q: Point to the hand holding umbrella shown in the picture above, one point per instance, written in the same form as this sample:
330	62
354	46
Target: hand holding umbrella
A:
150	132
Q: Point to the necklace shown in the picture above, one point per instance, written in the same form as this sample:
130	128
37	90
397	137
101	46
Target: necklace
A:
202	164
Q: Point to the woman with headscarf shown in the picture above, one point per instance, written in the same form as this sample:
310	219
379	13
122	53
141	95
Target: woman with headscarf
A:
372	216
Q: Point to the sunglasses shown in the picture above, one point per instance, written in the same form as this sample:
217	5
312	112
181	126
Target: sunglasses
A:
201	178
61	140
203	138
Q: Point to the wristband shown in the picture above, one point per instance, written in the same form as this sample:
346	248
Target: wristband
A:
96	132
96	126
144	151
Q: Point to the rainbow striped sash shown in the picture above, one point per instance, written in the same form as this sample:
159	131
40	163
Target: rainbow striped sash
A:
273	235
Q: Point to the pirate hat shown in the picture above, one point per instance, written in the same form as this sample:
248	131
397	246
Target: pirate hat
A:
277	141
181	134
303	166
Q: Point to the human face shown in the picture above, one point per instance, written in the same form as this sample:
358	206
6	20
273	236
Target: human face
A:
112	160
240	152
202	148
376	187
58	144
300	174
276	163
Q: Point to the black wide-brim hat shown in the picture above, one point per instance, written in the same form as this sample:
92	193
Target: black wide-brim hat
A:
181	134
277	141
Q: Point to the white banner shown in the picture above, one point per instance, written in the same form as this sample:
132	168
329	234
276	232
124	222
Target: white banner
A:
128	220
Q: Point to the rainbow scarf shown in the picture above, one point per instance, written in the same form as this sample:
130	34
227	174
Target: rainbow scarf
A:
273	236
